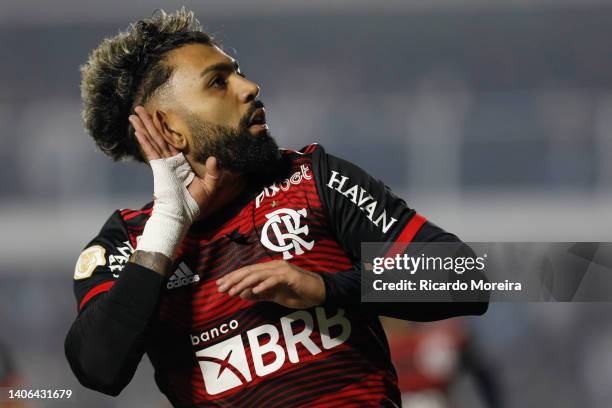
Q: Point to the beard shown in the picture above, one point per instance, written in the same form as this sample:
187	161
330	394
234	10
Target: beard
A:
235	149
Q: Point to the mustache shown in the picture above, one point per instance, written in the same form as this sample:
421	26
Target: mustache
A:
244	122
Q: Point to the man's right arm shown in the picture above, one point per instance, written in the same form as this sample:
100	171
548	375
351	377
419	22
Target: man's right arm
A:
107	340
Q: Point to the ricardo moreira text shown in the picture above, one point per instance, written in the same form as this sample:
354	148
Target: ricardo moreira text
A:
459	265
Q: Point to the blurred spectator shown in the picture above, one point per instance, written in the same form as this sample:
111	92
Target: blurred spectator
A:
9	378
430	358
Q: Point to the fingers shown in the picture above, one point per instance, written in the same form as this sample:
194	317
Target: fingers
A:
202	189
173	150
276	281
228	281
248	294
260	288
265	285
143	124
249	281
150	151
211	178
153	134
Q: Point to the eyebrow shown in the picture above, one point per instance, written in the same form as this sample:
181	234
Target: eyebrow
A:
221	66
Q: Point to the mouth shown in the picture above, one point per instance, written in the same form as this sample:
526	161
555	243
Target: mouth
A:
258	119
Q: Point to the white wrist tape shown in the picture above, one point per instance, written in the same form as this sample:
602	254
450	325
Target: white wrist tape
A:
174	209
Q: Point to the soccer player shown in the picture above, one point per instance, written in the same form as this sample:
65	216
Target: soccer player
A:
241	280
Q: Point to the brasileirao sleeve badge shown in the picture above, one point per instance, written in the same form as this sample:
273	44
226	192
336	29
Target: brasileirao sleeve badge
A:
88	260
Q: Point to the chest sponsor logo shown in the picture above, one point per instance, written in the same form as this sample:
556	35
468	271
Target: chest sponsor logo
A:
225	365
211	334
362	199
88	260
118	259
288	220
182	276
272	190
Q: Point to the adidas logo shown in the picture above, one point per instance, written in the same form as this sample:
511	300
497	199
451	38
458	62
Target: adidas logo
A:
183	276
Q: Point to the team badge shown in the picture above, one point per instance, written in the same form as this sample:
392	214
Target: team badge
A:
88	260
290	240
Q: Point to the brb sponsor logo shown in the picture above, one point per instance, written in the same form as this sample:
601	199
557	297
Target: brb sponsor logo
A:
214	332
273	189
225	365
285	242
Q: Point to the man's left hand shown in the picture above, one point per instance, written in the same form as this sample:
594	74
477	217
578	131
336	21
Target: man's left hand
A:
275	281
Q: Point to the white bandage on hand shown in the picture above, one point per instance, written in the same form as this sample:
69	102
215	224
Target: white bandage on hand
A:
174	208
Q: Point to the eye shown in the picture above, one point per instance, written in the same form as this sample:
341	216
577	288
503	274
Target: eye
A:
218	82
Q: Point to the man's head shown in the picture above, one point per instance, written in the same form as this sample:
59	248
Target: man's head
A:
200	101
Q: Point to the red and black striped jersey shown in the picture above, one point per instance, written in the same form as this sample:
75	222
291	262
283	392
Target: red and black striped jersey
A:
210	349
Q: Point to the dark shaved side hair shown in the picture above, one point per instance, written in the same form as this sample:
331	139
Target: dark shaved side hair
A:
127	70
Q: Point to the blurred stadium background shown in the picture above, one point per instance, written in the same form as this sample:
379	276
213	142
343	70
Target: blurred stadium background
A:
493	119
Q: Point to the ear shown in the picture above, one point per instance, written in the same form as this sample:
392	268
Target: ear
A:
170	132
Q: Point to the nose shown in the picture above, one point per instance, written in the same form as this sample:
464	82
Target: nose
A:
248	91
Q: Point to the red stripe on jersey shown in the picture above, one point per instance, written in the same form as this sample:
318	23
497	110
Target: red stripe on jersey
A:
101	288
407	235
137	213
310	148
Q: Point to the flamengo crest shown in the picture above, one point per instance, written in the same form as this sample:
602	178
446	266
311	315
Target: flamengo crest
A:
290	240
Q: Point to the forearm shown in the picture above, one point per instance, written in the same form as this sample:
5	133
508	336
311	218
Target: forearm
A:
107	340
344	289
155	261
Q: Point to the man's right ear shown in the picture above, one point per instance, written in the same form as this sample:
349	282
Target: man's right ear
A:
170	132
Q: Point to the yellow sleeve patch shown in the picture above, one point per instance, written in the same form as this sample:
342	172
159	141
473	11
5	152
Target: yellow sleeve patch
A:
88	260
